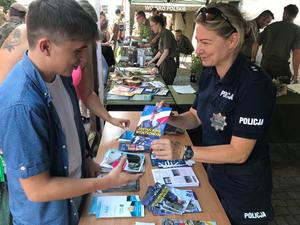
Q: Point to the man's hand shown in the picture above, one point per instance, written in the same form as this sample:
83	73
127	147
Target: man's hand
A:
167	149
122	123
92	168
118	177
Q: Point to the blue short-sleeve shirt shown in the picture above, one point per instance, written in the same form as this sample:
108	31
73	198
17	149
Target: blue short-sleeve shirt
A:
244	97
33	142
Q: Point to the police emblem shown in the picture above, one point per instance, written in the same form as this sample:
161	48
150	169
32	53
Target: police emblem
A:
218	121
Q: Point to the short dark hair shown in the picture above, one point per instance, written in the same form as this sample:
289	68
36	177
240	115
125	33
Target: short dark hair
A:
154	9
59	20
118	11
291	10
88	8
178	31
266	13
141	13
158	19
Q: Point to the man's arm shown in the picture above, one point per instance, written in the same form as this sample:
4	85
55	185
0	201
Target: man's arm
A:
12	50
90	98
43	187
254	50
296	62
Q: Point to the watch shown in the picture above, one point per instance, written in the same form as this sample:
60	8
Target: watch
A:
188	153
156	66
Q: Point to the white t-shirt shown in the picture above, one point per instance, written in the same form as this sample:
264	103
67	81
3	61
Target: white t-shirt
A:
64	108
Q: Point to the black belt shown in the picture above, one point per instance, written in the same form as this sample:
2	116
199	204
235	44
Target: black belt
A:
240	169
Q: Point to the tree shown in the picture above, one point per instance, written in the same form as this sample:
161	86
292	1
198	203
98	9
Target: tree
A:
6	3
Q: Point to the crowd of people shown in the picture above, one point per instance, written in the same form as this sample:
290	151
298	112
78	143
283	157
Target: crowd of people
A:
47	158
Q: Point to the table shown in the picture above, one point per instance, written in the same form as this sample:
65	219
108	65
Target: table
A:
211	206
131	105
285	124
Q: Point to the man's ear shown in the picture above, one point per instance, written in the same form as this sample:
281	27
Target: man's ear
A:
44	46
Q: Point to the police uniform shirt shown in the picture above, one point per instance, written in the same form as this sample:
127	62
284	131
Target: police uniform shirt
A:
167	41
244	97
278	39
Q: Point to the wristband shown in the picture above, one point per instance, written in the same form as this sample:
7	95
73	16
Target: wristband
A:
156	66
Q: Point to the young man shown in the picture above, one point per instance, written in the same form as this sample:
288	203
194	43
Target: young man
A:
260	22
184	45
278	40
41	134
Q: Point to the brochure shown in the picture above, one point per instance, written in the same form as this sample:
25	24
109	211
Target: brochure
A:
162	92
150	127
160	163
126	137
134	162
163	200
124	90
116	206
166	221
176	177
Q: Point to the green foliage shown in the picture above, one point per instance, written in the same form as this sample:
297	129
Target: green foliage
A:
6	3
196	64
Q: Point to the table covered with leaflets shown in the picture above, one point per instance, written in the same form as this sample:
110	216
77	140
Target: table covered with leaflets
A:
131	88
169	192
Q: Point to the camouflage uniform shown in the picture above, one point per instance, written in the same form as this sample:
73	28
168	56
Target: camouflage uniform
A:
145	31
1	17
8	27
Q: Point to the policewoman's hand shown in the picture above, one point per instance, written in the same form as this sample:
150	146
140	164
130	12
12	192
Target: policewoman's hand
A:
118	177
167	149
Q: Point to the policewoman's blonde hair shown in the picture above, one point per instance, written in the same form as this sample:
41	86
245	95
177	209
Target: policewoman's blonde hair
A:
224	19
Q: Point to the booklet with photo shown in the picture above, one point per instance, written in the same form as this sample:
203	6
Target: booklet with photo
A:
167	221
134	162
163	200
116	206
150	127
176	177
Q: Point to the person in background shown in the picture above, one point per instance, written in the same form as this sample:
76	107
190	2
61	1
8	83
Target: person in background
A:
143	30
118	29
16	14
46	170
155	12
234	104
278	40
260	22
167	51
2	16
107	50
184	45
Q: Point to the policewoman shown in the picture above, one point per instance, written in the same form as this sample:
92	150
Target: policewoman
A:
234	104
167	45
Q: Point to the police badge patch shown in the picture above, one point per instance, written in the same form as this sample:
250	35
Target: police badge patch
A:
218	121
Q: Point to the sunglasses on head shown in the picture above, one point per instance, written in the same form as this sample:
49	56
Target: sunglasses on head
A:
210	14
